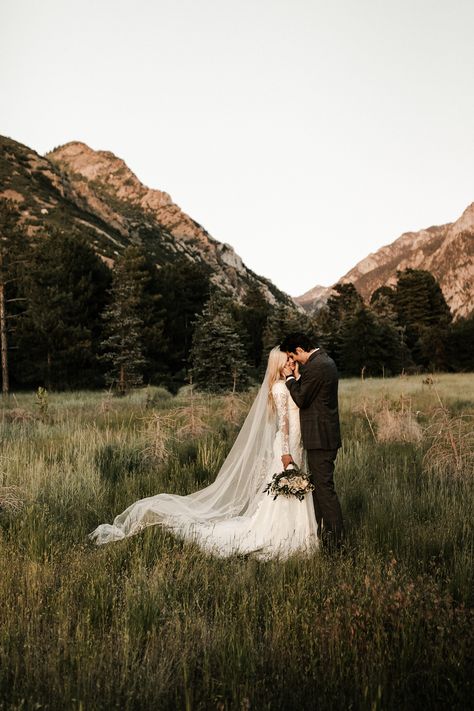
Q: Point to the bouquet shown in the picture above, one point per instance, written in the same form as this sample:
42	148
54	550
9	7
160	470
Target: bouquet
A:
291	482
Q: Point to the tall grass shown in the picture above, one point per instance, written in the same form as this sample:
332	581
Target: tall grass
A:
153	623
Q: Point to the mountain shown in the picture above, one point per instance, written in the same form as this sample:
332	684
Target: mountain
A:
447	251
314	299
96	193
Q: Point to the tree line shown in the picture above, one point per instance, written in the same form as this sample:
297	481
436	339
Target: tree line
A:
68	321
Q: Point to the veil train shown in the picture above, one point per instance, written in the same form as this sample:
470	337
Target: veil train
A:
233	492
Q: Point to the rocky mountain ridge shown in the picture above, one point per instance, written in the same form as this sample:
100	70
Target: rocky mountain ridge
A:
97	193
447	251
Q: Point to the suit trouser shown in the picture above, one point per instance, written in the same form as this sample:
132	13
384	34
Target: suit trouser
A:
326	504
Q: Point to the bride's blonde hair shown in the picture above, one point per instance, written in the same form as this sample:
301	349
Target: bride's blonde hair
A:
276	362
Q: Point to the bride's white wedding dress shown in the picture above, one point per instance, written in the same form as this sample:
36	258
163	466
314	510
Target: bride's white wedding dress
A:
233	515
277	527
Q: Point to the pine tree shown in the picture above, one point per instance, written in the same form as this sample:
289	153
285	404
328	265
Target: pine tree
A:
217	354
423	311
369	344
344	301
281	321
461	344
385	295
343	304
253	315
12	256
323	326
124	323
184	288
398	357
58	334
143	272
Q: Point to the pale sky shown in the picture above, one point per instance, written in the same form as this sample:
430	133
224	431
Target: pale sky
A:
305	133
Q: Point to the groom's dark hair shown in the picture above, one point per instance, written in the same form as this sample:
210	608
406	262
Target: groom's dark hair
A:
297	340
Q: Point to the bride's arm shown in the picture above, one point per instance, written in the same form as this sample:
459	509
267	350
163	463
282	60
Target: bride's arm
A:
281	403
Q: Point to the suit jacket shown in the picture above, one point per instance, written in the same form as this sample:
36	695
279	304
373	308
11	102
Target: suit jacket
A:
315	393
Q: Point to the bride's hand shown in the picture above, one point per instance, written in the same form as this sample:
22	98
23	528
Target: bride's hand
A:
296	369
289	368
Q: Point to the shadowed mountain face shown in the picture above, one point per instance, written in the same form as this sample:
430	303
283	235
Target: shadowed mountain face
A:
446	251
96	193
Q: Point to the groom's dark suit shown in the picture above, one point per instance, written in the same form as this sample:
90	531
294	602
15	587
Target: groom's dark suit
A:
315	393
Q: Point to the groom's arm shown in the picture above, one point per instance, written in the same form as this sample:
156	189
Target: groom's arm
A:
304	390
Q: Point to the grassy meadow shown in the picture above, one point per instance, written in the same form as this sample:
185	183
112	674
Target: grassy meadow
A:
153	623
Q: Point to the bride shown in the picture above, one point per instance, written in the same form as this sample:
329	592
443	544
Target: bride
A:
233	514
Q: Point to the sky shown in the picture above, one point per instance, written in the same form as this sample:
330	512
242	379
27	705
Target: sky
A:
305	133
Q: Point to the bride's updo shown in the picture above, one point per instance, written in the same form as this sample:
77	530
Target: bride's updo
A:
276	362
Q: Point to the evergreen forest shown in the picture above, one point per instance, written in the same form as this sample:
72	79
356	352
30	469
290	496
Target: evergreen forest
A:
69	321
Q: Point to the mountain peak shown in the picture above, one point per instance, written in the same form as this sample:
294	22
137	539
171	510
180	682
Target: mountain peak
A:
107	169
447	251
68	144
466	222
96	193
314	298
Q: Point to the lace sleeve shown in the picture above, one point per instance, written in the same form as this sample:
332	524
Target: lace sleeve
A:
281	402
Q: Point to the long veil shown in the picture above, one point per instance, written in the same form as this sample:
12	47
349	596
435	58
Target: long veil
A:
233	492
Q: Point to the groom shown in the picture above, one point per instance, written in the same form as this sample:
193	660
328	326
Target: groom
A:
315	393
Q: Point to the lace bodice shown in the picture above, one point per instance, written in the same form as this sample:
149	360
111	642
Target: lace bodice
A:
288	419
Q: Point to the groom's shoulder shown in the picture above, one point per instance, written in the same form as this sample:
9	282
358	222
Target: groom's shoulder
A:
318	357
321	360
327	358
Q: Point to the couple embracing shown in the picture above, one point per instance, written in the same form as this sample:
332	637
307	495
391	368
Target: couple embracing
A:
293	421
